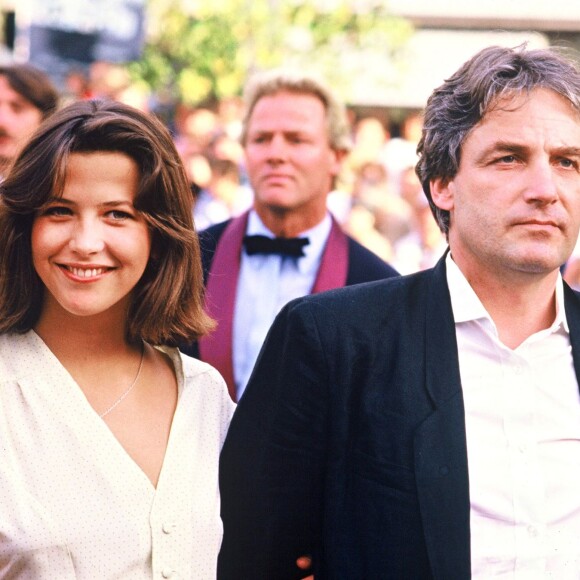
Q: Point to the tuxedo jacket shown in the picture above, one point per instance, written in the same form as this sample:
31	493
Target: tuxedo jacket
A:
349	443
344	262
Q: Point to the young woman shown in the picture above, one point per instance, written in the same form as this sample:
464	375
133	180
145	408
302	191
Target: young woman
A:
109	437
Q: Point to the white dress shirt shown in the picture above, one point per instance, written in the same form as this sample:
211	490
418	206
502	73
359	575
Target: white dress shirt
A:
522	414
73	504
265	284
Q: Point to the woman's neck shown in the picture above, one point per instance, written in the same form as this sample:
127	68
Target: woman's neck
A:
97	336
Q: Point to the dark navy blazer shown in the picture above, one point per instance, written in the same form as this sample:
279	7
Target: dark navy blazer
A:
349	443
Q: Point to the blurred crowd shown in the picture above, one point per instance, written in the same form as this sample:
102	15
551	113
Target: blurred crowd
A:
377	199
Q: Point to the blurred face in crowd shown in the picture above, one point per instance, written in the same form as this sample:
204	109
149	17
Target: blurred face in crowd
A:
290	162
19	118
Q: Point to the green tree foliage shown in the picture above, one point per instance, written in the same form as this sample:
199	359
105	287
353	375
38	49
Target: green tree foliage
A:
203	50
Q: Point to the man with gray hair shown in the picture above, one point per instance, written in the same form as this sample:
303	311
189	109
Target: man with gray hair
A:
429	426
295	135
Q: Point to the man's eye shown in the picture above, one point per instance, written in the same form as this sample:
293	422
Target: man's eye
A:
568	163
507	159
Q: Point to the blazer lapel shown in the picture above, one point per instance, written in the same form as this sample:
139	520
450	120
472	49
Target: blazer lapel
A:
333	268
440	442
572	306
220	299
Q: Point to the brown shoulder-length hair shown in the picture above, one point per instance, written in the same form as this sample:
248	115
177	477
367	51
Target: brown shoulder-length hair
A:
167	302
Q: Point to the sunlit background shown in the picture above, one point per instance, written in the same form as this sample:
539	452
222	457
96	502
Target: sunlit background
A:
376	53
187	61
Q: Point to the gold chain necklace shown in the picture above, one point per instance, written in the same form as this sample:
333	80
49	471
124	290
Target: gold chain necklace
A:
120	399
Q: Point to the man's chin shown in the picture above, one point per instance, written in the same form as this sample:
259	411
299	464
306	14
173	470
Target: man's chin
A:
539	264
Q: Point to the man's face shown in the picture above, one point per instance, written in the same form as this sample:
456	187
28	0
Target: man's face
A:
19	118
290	162
515	201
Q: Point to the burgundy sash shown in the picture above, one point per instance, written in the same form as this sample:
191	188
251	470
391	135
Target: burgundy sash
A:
220	294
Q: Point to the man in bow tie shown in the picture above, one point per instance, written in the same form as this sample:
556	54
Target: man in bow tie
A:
295	136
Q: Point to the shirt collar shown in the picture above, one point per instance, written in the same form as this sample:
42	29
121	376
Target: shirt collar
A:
467	306
318	235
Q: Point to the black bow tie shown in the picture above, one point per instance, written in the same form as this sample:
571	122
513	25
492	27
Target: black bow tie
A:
283	246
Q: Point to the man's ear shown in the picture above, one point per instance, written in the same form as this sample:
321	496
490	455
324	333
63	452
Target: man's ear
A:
339	156
442	193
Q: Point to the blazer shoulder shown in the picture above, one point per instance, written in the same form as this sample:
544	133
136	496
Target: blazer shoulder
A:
394	296
210	237
366	266
208	241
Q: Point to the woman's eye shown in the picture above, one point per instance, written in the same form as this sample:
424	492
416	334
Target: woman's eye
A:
119	215
57	211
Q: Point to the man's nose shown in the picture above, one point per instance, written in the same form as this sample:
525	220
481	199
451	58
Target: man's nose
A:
278	148
541	186
5	119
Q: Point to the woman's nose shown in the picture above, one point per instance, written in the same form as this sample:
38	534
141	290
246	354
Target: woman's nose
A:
87	237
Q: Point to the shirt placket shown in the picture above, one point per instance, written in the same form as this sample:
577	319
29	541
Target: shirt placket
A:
527	480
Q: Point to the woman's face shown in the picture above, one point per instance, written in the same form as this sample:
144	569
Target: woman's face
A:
90	247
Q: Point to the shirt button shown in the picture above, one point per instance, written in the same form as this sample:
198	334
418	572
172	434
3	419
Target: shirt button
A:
167	573
167	528
533	531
